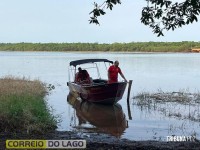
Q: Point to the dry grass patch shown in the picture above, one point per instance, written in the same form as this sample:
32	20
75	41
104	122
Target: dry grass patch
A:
18	86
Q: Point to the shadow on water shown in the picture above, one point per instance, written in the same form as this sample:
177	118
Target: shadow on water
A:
109	119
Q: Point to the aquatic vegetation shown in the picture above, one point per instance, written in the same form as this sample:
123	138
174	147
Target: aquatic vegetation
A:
182	104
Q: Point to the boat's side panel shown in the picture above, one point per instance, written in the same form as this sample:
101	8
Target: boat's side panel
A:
77	89
107	93
74	87
103	93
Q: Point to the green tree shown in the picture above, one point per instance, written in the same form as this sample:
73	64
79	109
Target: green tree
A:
160	15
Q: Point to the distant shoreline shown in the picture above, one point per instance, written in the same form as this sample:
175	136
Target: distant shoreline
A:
125	52
133	47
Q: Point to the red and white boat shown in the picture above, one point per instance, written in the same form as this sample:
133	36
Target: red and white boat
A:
99	90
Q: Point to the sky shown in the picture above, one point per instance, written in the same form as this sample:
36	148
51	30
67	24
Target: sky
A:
58	21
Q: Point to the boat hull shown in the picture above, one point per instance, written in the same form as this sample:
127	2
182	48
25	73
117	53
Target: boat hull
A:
101	93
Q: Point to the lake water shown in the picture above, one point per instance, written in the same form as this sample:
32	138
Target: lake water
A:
149	72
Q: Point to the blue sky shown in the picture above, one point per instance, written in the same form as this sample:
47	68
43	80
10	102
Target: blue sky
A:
67	21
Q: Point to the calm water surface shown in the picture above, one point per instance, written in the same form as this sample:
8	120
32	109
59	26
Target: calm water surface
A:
149	72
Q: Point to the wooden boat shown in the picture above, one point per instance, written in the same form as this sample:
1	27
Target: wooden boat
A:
99	91
109	119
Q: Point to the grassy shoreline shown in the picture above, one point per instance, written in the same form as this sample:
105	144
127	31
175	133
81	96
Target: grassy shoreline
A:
23	108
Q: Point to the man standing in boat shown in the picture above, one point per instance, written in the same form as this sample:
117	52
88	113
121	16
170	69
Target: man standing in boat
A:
113	73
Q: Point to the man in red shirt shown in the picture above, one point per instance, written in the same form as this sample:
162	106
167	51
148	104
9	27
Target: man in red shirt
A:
113	73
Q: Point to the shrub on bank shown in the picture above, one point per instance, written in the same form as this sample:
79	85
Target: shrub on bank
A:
22	106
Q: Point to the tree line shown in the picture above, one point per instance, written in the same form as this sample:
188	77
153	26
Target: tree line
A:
184	46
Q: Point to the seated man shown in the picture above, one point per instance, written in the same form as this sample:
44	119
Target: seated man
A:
83	77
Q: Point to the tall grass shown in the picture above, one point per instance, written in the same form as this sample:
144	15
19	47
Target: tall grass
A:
22	106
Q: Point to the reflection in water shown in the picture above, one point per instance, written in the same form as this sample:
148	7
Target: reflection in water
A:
108	119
